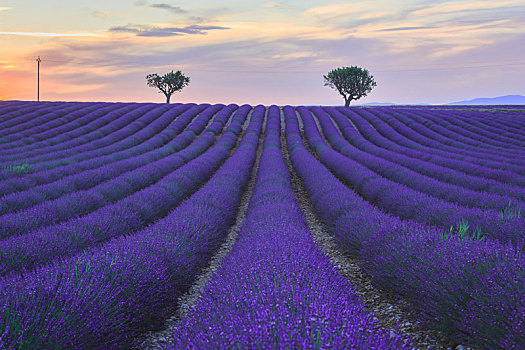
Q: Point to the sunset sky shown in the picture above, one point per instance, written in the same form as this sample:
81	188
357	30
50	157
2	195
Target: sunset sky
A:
269	52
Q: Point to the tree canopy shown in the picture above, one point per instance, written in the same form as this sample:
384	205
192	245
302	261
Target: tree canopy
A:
168	83
351	82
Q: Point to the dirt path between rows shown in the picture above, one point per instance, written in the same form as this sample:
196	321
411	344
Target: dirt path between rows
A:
387	309
157	340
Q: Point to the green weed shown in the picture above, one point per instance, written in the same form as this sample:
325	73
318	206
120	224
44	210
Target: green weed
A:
509	212
23	168
462	230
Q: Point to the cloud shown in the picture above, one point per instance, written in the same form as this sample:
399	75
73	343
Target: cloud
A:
161	32
196	29
154	31
162	6
451	7
276	5
359	15
404	51
6	65
51	34
402	28
333	11
171	8
5	8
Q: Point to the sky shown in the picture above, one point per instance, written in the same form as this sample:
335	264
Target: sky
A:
268	52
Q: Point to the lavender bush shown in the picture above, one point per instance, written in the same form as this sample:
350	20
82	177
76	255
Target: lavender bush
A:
135	158
276	289
369	140
412	179
504	171
127	215
406	203
471	290
110	211
107	296
44	173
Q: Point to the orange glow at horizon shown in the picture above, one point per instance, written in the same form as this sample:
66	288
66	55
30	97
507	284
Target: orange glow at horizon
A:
272	52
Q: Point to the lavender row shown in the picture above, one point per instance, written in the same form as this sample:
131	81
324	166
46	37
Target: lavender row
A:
420	135
511	121
149	138
37	119
111	130
13	110
470	290
473	129
456	136
109	296
484	122
476	123
13	113
121	189
120	117
406	137
432	135
502	172
276	289
406	203
88	179
11	107
425	137
400	174
44	119
399	136
30	116
446	128
37	133
125	216
59	130
422	165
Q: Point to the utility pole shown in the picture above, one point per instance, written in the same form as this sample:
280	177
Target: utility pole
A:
38	60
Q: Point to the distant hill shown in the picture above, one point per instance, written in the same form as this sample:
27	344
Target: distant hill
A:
371	104
501	100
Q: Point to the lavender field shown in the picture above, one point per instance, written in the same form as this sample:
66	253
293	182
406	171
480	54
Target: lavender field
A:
197	226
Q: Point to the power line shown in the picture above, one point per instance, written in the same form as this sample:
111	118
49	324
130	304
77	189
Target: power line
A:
289	70
453	68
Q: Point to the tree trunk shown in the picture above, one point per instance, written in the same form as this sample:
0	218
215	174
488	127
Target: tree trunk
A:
168	98
347	103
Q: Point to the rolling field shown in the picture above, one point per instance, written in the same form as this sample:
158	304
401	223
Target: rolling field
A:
114	215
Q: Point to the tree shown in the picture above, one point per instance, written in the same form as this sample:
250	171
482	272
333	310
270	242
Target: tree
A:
351	82
169	83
